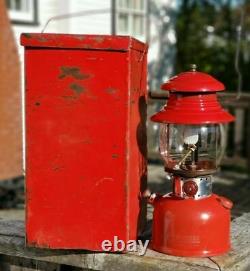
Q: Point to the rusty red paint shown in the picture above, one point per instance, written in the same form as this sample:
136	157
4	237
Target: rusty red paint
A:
111	90
77	88
86	144
119	43
99	39
74	72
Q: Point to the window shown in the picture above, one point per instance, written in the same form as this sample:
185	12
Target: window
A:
131	17
22	11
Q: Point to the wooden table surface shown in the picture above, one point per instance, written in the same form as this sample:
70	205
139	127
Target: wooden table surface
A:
13	250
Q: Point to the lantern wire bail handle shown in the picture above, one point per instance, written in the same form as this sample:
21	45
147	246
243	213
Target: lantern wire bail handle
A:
74	14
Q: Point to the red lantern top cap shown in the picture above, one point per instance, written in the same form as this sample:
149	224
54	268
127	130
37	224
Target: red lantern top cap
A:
193	100
193	81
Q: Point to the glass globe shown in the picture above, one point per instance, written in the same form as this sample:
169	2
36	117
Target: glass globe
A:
192	150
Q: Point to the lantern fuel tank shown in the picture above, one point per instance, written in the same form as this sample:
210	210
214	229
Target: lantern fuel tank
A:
191	220
85	139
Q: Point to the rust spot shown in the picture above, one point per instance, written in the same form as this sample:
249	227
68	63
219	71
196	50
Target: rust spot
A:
27	35
115	156
69	97
78	89
111	90
99	39
132	102
105	179
74	72
86	46
80	37
37	103
42	39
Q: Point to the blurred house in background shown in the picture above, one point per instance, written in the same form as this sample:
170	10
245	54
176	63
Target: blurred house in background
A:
10	102
104	17
138	18
179	33
149	21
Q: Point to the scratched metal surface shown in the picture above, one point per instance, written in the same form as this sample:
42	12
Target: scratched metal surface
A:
84	170
88	42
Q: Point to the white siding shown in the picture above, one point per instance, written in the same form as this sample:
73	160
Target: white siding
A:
94	24
90	24
156	19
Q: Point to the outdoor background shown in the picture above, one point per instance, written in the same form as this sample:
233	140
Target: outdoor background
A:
215	35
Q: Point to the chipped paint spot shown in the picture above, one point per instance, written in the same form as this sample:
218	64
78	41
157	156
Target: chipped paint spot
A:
37	103
42	39
99	39
74	72
86	46
115	155
56	168
69	97
27	35
78	89
111	90
80	37
105	179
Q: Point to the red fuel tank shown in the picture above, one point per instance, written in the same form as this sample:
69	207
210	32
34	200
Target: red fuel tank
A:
189	227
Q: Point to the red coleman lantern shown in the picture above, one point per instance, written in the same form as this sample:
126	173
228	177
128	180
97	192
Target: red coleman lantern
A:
191	220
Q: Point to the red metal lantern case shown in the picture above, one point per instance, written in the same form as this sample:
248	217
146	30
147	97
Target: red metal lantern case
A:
85	139
191	220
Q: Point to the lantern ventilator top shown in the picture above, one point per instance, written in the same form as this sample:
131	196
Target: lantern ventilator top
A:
193	100
192	138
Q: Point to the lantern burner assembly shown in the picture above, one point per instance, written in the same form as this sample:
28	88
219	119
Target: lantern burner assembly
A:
191	220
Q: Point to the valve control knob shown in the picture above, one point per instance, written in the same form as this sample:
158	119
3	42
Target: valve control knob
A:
190	188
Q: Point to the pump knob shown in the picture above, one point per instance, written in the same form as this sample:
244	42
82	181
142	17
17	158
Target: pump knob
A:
190	188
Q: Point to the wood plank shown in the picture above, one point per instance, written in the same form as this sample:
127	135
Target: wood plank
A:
239	257
12	244
8	263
